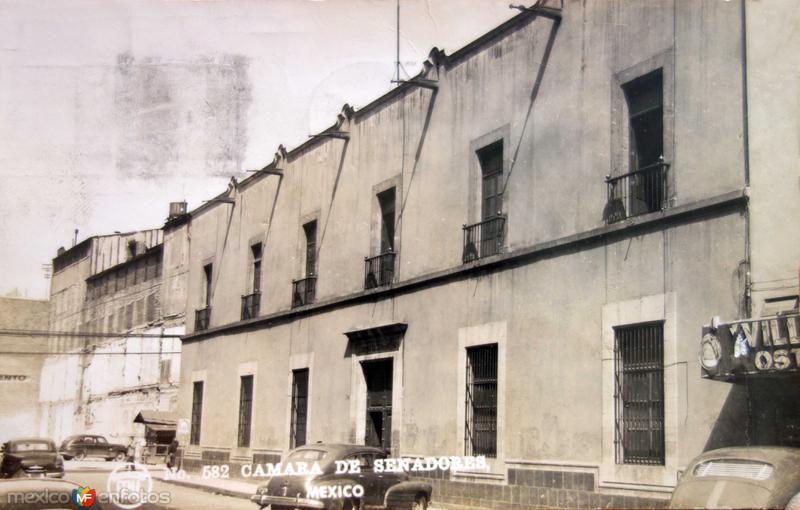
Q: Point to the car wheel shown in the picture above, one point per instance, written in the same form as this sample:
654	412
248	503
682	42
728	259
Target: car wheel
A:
120	456
420	503
80	455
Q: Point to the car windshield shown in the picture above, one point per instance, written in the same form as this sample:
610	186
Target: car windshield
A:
30	446
304	459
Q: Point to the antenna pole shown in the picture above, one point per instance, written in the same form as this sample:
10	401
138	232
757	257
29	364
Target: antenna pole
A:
397	62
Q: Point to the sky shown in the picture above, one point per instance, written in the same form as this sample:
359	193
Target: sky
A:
109	110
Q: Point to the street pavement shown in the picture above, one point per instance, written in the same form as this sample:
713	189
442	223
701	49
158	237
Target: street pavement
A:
186	492
167	495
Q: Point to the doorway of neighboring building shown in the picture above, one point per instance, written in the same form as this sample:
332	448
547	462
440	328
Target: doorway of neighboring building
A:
378	378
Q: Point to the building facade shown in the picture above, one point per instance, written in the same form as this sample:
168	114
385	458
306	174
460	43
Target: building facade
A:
116	338
21	363
510	255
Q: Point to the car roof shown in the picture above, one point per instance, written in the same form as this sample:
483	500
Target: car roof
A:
340	448
35	484
29	439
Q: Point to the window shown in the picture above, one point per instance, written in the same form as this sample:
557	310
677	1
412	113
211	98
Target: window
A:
310	230
299	407
208	270
197	412
386	201
256	250
251	303
141	270
639	393
165	367
491	160
485	238
129	316
644	97
245	410
481	401
151	307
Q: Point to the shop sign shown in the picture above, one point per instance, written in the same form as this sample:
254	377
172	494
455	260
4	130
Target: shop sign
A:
13	378
769	345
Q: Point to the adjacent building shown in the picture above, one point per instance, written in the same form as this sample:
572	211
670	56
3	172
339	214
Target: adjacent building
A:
21	363
115	335
513	254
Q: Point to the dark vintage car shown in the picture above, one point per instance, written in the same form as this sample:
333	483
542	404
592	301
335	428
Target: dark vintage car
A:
31	457
80	446
39	494
328	490
744	477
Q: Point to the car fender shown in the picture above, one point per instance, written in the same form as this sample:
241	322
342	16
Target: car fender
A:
402	495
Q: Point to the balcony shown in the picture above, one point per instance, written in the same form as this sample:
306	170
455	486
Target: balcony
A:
379	270
484	239
303	291
640	192
251	305
202	317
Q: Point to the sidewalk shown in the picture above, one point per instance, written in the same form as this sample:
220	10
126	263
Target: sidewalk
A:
226	487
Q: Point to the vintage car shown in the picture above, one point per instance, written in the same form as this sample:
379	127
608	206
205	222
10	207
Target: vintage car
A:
743	477
39	494
31	457
80	446
308	478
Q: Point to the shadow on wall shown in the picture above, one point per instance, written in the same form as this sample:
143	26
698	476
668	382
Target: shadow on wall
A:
758	412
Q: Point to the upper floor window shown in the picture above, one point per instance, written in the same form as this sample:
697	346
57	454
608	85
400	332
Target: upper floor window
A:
485	238
202	317
491	160
252	302
643	188
645	99
379	269
386	201
310	230
256	251
208	271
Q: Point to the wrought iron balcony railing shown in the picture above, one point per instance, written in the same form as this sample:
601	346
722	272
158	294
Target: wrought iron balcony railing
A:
202	317
484	239
303	291
251	305
379	270
639	192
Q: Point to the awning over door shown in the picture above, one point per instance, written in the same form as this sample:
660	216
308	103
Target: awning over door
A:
765	346
381	338
157	420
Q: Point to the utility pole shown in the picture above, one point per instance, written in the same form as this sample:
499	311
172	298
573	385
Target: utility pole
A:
397	61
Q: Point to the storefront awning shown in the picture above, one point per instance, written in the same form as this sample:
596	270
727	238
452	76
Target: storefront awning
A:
765	346
157	427
154	418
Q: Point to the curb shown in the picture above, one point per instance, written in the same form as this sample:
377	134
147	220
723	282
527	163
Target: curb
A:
213	490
